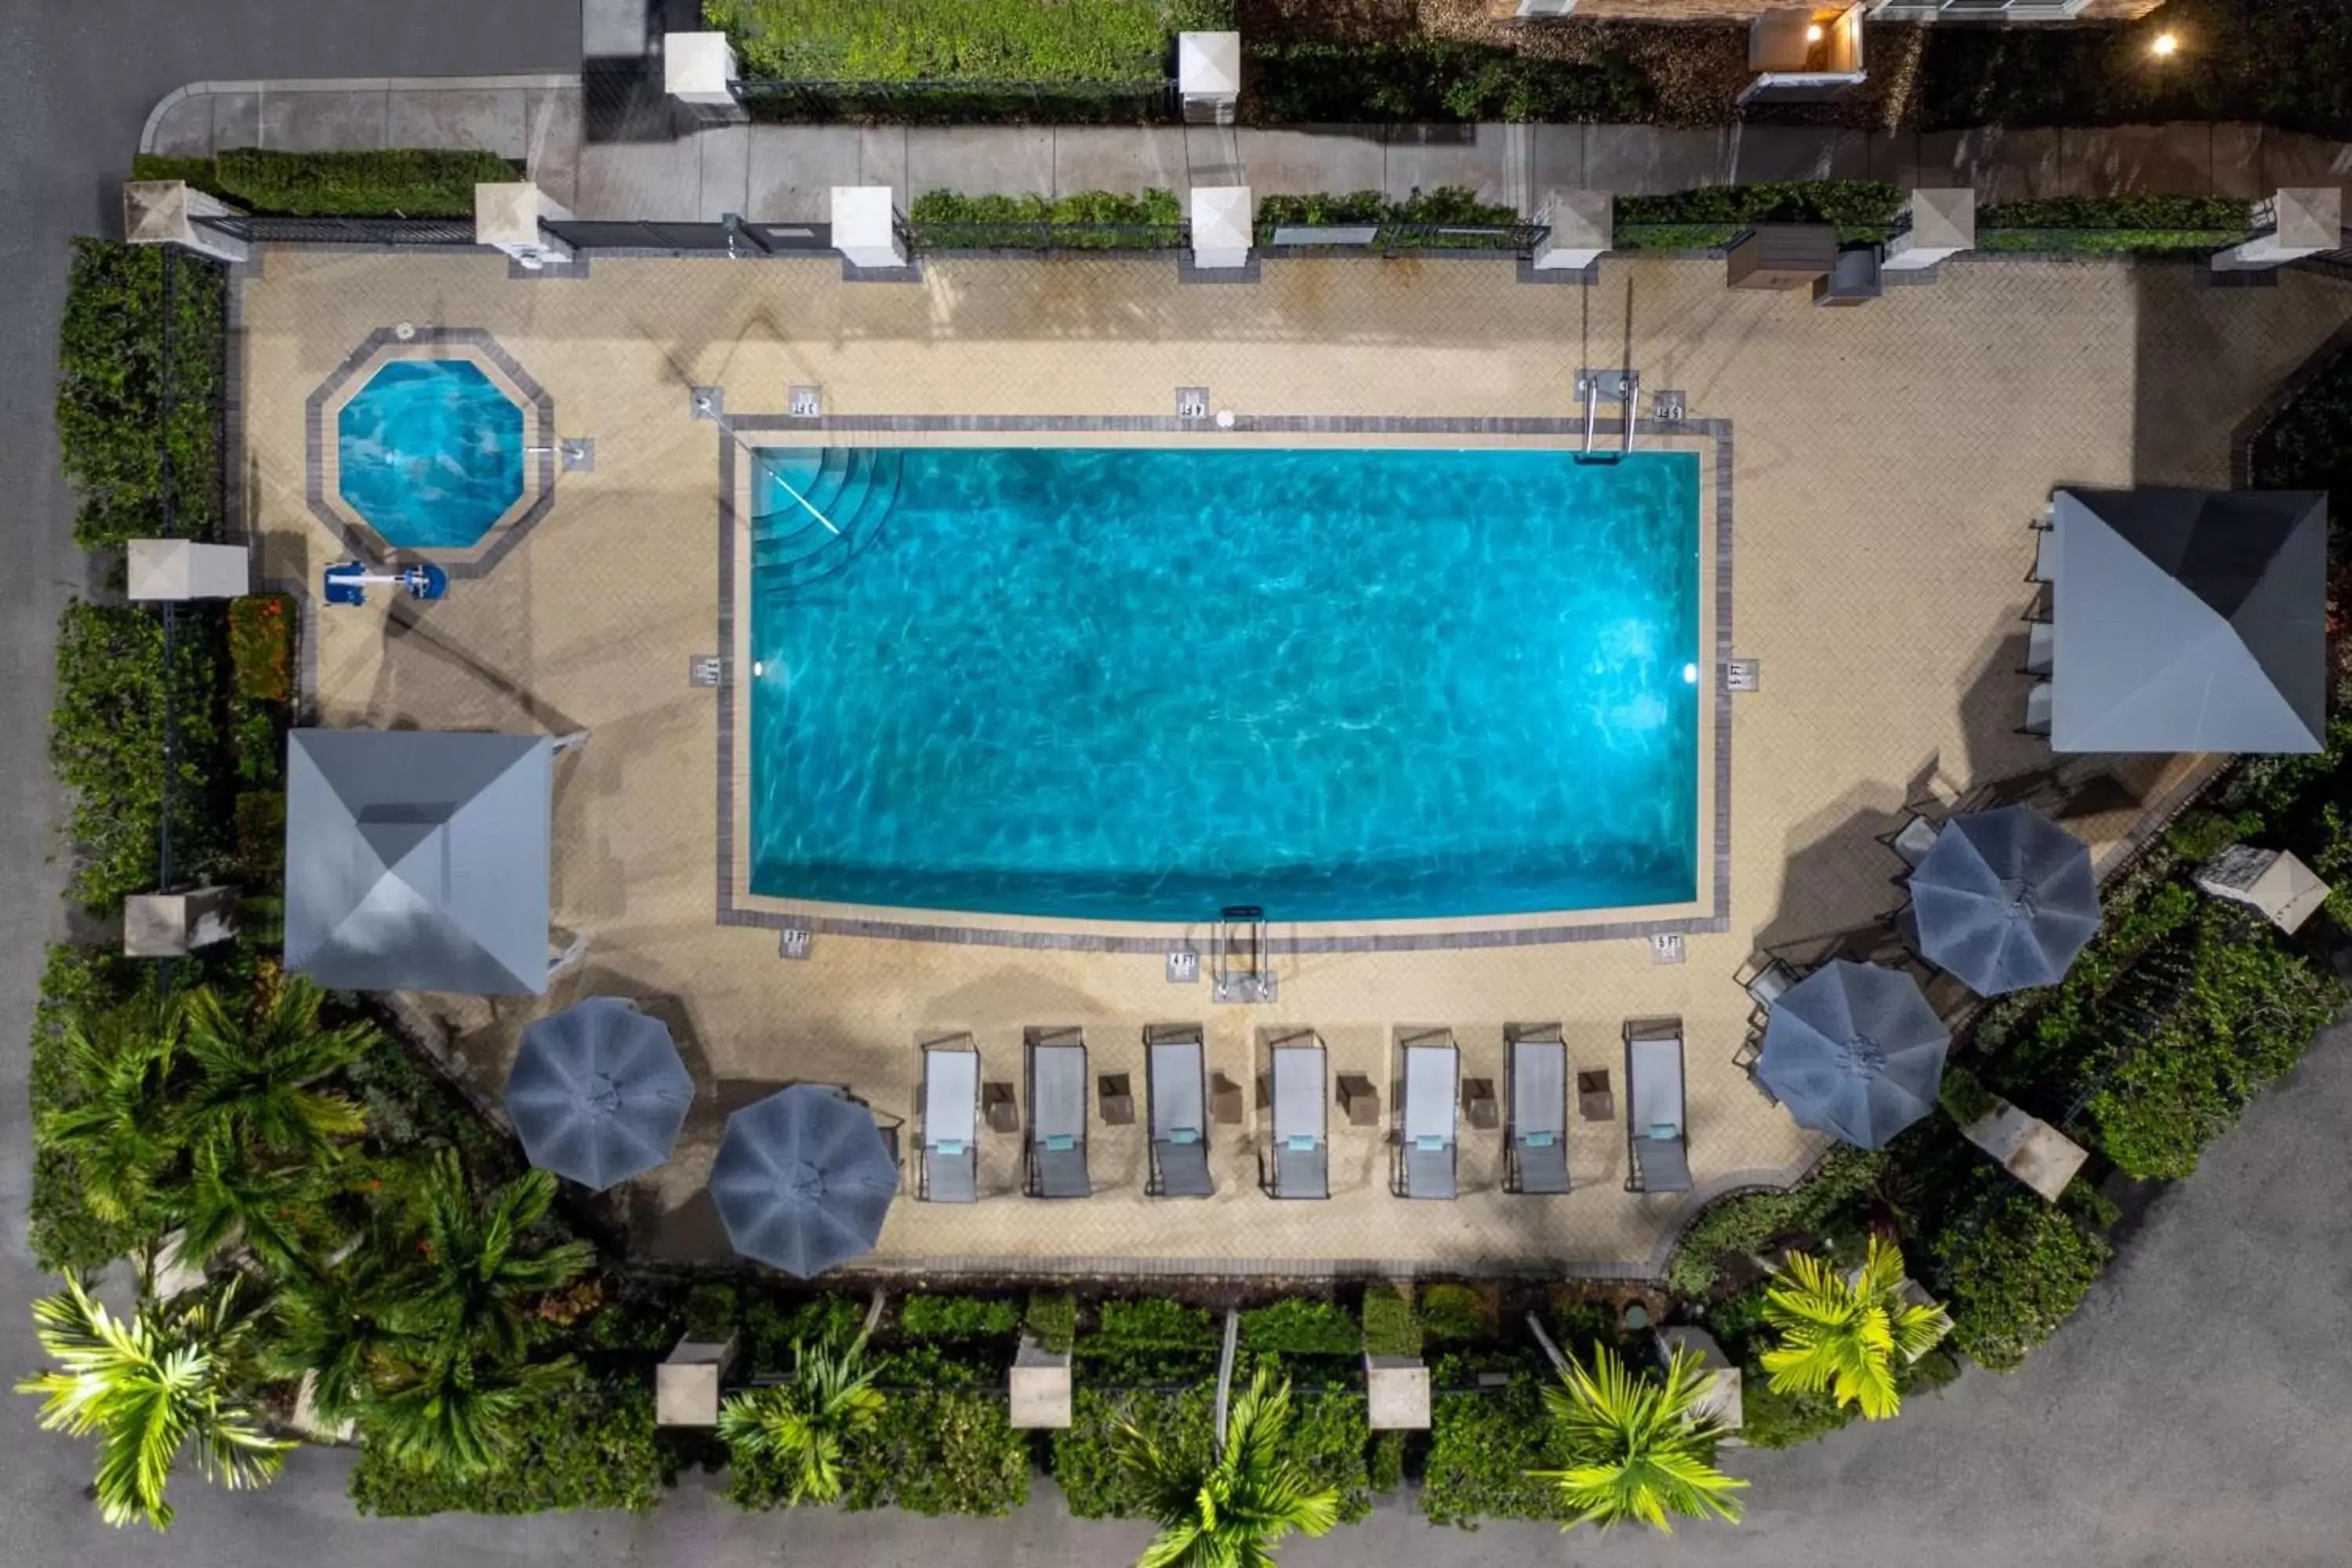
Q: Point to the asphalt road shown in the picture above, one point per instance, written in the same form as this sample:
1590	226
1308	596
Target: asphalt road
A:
2196	1414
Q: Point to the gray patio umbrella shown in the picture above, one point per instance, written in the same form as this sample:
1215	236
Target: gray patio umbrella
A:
2005	900
597	1093
802	1180
1855	1051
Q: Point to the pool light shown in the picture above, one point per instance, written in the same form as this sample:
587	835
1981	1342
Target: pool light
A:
2166	46
1813	34
1690	675
759	669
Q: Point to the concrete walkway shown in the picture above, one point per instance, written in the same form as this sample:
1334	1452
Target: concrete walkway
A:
783	173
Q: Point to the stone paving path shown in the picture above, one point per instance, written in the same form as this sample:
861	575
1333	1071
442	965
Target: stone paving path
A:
783	173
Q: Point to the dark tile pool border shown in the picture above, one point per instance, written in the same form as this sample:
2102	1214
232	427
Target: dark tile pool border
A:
730	914
366	543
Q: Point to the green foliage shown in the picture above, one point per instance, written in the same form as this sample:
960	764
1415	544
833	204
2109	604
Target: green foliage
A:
1964	1096
789	1442
1084	1456
1053	1318
1398	222
1745	1223
2016	1275
1451	1313
1841	1336
592	1447
1151	1323
112	433
989	40
398	182
2140	210
937	1452
1481	1449
106	741
1637	1450
261	645
1861	209
1216	1507
711	1312
1298	1326
773	1325
1423	78
77	984
258	824
1085	220
957	1317
2104	241
1390	1326
1384	1464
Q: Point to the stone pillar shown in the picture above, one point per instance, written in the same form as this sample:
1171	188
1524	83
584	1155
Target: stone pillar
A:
508	216
699	71
866	225
1934	224
157	569
165	212
2301	221
2285	890
1221	227
1209	76
173	925
1584	225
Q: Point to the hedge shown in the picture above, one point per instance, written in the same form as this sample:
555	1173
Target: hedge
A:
1451	1312
1300	1326
1397	222
1329	1434
1053	1318
261	645
62	1233
1746	1223
1390	1326
594	1447
398	182
1863	210
2019	1272
1085	220
112	434
956	1317
1432	80
1481	1448
946	40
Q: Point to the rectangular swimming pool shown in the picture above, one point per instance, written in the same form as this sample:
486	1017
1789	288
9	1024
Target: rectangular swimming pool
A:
1141	684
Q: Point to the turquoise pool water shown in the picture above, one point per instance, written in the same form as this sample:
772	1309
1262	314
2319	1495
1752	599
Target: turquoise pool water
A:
1142	684
430	453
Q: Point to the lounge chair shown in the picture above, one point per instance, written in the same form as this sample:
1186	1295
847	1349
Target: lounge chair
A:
1301	1162
1427	1142
1655	1128
2041	648
950	1167
1175	1080
1767	985
1057	1115
2037	710
1535	1157
2045	556
1914	839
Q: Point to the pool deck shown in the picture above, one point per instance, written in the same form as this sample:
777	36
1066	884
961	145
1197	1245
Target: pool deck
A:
1887	462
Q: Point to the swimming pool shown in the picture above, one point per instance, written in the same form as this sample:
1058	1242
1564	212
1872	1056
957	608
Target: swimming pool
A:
1141	684
429	453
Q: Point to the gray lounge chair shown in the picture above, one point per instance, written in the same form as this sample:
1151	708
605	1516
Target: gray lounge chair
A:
1538	1141
2041	648
1655	1127
1301	1165
1058	1118
950	1168
1428	1145
2038	704
1176	1081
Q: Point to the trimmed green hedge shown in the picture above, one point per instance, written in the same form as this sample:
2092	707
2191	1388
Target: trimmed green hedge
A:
1714	215
1396	221
1085	220
593	1446
398	182
1481	1448
2019	1272
957	1317
1451	1313
1861	209
1744	1224
1391	1327
1299	1326
1432	80
111	431
984	40
1053	1318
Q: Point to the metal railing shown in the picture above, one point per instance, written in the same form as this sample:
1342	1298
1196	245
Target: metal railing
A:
343	231
1145	101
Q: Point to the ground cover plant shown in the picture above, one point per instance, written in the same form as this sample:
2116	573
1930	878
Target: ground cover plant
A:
973	40
398	182
1419	222
1085	220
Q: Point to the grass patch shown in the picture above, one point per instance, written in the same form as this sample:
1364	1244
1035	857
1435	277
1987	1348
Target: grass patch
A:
400	182
960	40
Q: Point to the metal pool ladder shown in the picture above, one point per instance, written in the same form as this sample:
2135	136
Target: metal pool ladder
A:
1239	972
1623	387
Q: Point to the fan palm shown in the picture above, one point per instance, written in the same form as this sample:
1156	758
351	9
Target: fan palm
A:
148	1385
255	1074
121	1128
468	1295
1227	1510
1638	1449
1842	1333
802	1427
452	1414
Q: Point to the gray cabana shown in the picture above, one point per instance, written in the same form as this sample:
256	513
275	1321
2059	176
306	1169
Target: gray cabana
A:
2004	901
802	1180
1853	1050
597	1093
1176	1083
417	860
2189	621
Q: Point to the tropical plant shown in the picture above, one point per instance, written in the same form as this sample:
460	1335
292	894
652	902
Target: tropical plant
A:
451	1414
1226	1509
1842	1332
256	1075
148	1386
121	1129
335	1319
1638	1449
468	1296
802	1427
231	1201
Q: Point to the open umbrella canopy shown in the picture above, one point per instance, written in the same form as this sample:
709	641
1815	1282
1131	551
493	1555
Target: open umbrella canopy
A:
2005	900
597	1093
802	1180
1853	1050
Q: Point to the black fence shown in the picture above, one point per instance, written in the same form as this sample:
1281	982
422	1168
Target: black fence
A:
1045	239
343	230
1141	102
1396	240
732	237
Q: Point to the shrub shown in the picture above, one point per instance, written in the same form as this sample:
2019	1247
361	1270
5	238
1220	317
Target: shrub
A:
711	1311
1746	1223
1153	1323
1298	1326
1399	223
999	40
956	1317
63	1234
591	1447
398	182
1053	1318
1087	220
261	645
112	433
1084	1457
1964	1096
1424	78
1481	1448
260	826
1452	1313
1861	209
2015	1276
770	1324
107	742
1384	1466
1390	1326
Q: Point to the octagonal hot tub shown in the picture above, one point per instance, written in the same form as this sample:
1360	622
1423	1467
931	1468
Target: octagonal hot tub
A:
429	453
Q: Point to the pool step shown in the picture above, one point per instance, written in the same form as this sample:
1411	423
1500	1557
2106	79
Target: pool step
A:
854	488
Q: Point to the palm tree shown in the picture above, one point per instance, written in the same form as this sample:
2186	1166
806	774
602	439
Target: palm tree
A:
148	1386
453	1414
467	1296
1227	1510
233	1200
801	1426
1637	1448
122	1131
254	1075
1842	1334
335	1319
